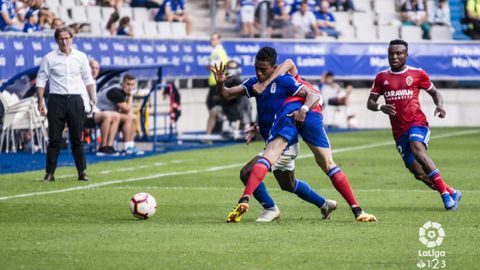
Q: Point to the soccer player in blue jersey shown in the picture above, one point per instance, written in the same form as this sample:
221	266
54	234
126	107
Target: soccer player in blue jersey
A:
313	134
267	105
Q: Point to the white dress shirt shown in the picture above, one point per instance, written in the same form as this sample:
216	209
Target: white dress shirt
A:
68	74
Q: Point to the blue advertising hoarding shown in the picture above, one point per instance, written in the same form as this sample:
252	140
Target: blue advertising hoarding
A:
189	58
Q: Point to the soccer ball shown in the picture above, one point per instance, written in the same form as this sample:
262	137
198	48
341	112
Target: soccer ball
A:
143	205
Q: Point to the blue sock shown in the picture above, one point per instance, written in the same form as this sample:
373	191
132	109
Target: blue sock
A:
306	193
262	196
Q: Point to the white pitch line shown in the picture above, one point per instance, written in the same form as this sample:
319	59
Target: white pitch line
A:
124	169
211	169
274	189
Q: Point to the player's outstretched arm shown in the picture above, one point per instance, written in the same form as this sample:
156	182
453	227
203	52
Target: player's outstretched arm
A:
220	78
438	100
372	105
287	66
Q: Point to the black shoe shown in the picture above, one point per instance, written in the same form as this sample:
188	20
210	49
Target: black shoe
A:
49	177
82	177
107	151
112	151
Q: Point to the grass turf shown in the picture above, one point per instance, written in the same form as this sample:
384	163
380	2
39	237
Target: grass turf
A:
93	229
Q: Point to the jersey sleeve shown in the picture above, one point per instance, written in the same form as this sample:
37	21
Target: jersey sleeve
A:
424	81
115	96
376	90
292	85
248	85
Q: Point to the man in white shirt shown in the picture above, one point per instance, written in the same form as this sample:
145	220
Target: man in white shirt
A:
68	73
304	22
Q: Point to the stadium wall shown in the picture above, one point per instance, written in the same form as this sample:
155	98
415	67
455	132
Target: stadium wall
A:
189	57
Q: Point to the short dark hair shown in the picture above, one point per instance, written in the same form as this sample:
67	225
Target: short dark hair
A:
267	54
128	77
399	42
329	74
61	30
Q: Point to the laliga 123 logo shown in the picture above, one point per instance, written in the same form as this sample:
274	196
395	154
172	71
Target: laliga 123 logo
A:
431	234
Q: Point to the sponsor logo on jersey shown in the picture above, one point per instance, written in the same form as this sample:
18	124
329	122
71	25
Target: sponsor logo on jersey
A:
409	80
385	83
398	94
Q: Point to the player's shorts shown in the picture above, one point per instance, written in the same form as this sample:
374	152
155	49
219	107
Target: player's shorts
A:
312	130
415	133
286	162
247	14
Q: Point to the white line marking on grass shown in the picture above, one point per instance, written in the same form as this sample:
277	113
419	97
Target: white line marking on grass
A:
211	169
275	189
125	169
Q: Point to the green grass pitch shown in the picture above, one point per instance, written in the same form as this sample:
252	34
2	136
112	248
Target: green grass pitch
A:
49	226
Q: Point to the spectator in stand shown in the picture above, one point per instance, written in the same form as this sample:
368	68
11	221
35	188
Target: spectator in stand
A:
31	24
413	12
45	15
304	22
124	27
174	11
8	18
112	23
440	13
281	17
472	12
333	95
119	98
108	121
247	17
326	20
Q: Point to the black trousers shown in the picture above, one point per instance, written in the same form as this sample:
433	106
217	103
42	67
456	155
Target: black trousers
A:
67	109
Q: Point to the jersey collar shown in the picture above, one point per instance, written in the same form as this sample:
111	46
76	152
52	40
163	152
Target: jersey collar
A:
399	72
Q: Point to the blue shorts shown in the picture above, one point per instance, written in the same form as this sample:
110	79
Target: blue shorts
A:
415	133
312	130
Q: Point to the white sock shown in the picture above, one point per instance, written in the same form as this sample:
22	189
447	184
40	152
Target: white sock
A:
129	144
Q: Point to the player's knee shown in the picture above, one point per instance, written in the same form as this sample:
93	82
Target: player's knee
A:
244	173
287	186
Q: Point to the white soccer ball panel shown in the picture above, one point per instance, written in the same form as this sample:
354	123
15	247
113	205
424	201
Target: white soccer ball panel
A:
143	205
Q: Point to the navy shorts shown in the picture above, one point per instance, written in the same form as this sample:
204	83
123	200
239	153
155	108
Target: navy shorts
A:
415	133
312	130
